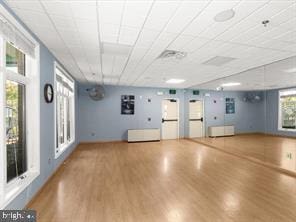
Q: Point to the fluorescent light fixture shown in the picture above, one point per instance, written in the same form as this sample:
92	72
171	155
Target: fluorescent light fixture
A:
292	70
175	81
224	15
230	84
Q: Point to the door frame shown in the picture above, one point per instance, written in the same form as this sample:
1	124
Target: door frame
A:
178	115
204	119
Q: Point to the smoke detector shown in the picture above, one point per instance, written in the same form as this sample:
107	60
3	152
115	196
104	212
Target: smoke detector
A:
172	54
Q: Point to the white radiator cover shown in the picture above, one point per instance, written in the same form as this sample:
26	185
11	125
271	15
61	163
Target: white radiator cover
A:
215	131
142	135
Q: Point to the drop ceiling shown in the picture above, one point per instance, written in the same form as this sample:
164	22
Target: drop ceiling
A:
137	32
277	75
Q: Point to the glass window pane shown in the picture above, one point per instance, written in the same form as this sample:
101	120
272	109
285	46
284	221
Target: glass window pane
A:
15	130
61	119
68	120
64	110
57	121
15	59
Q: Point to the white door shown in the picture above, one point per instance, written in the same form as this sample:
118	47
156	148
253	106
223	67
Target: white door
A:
170	119
195	119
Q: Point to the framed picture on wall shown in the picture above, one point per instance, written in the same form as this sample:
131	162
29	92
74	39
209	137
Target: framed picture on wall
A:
127	105
230	105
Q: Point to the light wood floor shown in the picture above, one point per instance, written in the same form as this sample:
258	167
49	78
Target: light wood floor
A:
270	149
174	181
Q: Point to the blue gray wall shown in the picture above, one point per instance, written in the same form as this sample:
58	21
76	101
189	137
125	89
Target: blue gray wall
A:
48	163
102	120
248	117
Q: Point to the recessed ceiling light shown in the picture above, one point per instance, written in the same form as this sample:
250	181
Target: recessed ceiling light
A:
175	81
291	70
230	84
224	15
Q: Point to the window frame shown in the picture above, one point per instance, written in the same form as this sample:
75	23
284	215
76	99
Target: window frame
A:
280	127
60	150
10	190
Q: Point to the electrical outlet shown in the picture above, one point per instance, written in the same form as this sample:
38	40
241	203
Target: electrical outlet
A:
49	161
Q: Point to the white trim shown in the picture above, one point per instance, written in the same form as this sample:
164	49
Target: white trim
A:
20	28
17	187
203	116
293	92
2	132
9	191
178	111
66	145
16	77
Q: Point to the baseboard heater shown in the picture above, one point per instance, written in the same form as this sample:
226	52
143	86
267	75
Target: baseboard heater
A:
143	135
215	131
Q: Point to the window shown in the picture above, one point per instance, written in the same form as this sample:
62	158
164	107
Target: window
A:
15	59
65	106
16	151
19	108
287	110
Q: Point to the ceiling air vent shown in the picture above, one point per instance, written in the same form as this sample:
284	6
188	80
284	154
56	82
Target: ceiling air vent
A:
218	61
172	54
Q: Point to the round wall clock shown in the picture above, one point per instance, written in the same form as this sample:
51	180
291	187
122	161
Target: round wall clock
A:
48	93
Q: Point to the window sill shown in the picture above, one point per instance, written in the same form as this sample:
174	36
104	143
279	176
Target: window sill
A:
287	130
18	186
64	148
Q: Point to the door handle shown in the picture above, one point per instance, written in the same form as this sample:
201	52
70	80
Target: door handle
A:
169	120
201	119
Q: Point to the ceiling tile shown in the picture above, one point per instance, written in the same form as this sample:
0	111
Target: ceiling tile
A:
135	13
110	12
107	63
186	12
87	10
161	13
179	43
60	8
128	36
109	32
147	37
72	33
32	5
63	23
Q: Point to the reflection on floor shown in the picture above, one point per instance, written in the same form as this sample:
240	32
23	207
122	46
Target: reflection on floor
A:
176	180
279	151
